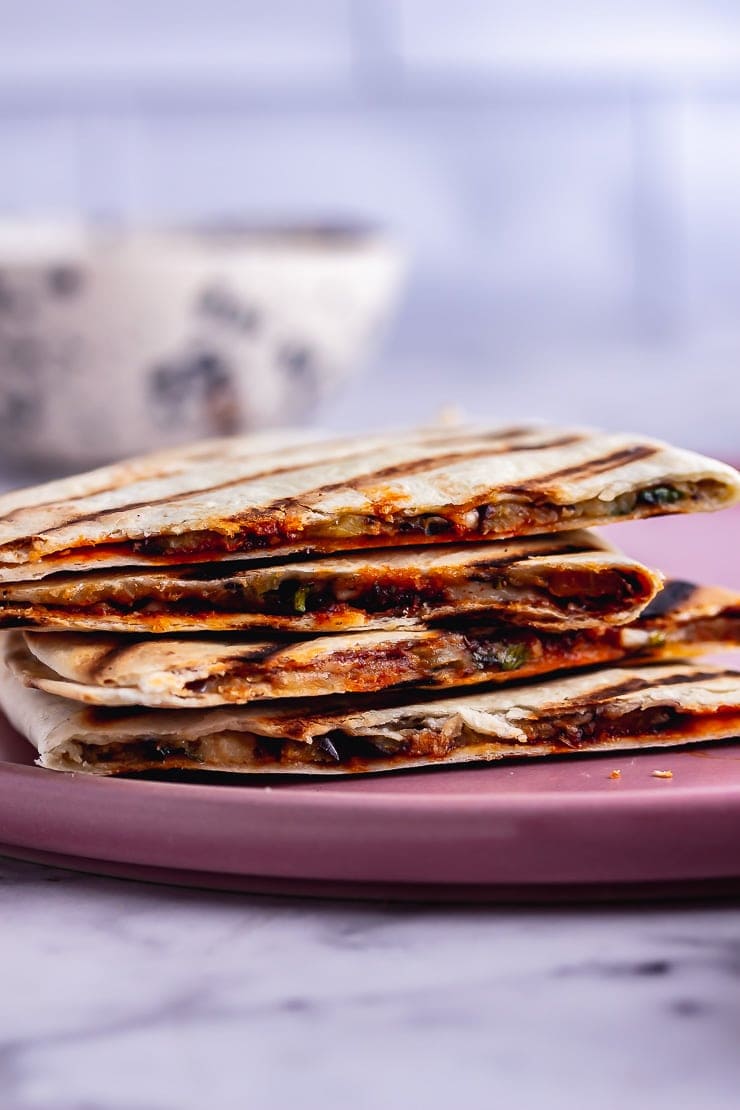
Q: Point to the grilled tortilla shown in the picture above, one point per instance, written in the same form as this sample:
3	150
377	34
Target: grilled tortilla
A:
573	579
613	708
243	498
195	671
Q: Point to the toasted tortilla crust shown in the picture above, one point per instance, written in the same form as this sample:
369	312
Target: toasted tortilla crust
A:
186	673
104	669
613	708
237	498
573	579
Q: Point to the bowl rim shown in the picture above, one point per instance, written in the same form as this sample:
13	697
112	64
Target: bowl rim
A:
26	241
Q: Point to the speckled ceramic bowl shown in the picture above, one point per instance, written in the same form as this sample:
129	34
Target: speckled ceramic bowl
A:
114	342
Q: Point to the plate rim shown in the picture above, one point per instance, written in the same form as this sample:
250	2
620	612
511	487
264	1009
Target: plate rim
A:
658	832
312	795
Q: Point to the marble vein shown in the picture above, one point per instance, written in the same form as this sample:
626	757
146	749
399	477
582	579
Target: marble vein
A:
127	996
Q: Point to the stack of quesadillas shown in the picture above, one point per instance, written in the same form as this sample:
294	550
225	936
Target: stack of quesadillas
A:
281	603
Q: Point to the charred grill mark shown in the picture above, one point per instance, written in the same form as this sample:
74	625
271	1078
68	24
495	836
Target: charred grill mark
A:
417	466
237	664
272	472
632	685
551	547
153	476
190	462
697	676
132	506
113	655
96	492
599	465
605	693
674	594
250	657
436	462
96	717
333	710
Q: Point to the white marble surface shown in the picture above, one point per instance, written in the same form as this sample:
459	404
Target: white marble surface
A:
138	997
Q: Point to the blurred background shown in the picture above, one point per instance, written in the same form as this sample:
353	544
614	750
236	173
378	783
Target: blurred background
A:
563	177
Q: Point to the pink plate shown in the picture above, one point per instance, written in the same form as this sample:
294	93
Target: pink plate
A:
510	830
553	824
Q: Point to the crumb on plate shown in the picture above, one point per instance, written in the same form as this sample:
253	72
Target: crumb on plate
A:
615	774
662	774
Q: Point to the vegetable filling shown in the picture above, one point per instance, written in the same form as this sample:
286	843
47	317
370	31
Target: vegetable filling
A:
586	729
537	591
505	517
514	514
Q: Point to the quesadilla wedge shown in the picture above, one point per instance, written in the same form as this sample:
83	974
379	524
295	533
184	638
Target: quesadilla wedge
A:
573	579
104	669
441	485
604	710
